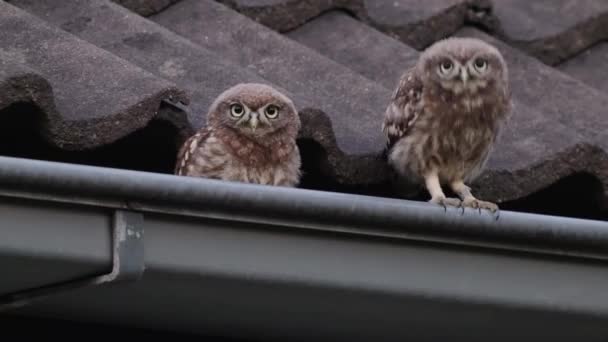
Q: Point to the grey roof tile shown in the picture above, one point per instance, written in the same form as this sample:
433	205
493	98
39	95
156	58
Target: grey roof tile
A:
145	7
591	66
202	73
534	20
98	97
326	166
354	103
18	83
351	43
552	30
418	23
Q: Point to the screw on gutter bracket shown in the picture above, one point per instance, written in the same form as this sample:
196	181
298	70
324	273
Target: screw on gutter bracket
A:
128	263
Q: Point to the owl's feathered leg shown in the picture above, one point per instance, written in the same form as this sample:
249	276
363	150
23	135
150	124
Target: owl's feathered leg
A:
431	181
468	200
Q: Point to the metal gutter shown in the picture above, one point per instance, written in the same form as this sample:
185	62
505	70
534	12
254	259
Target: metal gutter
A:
241	260
43	243
128	264
354	214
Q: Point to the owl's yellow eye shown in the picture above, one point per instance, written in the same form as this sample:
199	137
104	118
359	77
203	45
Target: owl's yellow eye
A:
271	111
446	66
237	110
480	64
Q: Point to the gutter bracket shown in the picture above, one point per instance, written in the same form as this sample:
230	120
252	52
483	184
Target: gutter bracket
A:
128	263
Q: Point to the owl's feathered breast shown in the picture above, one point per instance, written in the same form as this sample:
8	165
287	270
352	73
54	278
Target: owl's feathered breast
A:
428	126
222	153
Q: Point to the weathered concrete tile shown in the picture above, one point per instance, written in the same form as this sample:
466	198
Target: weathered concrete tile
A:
205	72
552	30
420	23
145	7
591	67
98	97
356	45
202	73
354	103
417	23
19	83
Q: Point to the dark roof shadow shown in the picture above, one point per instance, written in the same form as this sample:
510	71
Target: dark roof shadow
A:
152	148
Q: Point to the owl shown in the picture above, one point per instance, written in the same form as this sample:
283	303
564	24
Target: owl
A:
445	116
250	137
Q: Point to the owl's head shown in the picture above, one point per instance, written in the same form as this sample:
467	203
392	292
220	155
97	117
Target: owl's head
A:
255	110
464	65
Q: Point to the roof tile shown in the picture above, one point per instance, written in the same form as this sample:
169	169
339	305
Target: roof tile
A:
353	44
145	7
18	83
552	30
98	97
591	67
418	23
354	103
202	73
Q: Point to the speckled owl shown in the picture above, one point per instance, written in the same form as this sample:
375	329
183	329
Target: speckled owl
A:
250	137
445	116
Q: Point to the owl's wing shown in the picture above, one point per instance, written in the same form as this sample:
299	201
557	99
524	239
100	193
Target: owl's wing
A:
188	147
404	109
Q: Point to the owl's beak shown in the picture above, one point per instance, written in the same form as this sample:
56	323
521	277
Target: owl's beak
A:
254	121
464	75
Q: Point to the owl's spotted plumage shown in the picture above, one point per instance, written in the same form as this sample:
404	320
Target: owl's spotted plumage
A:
445	116
250	137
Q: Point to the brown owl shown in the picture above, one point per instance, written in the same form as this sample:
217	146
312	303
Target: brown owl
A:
250	137
445	115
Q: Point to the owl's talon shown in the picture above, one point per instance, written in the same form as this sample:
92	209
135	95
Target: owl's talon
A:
445	208
479	205
446	202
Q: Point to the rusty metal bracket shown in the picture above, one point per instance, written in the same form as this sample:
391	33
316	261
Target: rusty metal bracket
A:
128	263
